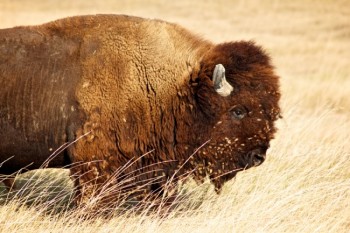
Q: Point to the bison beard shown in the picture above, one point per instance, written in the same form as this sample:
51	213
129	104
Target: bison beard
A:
150	103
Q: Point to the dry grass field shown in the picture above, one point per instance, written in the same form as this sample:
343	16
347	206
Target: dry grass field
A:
303	186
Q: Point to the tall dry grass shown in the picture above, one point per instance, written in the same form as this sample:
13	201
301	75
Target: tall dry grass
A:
304	185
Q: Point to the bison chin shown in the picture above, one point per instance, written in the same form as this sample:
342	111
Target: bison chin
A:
253	158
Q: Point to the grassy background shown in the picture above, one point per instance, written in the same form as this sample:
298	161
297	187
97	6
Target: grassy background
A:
304	185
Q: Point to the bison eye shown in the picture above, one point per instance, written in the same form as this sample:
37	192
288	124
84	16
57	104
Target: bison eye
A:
238	112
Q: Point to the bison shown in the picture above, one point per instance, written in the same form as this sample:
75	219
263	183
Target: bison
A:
136	100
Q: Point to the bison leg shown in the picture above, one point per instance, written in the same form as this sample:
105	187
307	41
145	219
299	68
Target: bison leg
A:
93	192
84	186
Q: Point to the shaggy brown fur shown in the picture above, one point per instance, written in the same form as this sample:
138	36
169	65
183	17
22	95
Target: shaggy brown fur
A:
128	86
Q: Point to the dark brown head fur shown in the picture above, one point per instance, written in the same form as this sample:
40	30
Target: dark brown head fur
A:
244	121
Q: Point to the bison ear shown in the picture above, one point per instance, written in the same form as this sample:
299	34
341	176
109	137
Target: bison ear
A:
221	86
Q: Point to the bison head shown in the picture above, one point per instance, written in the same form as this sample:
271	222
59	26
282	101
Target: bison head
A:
239	92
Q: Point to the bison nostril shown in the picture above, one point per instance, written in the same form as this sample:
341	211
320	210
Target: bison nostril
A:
257	157
260	158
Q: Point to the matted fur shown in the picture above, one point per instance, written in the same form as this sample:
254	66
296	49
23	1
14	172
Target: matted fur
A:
140	95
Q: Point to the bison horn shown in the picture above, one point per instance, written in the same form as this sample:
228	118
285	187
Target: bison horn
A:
222	87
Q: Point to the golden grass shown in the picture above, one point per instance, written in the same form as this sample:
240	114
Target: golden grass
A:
304	186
